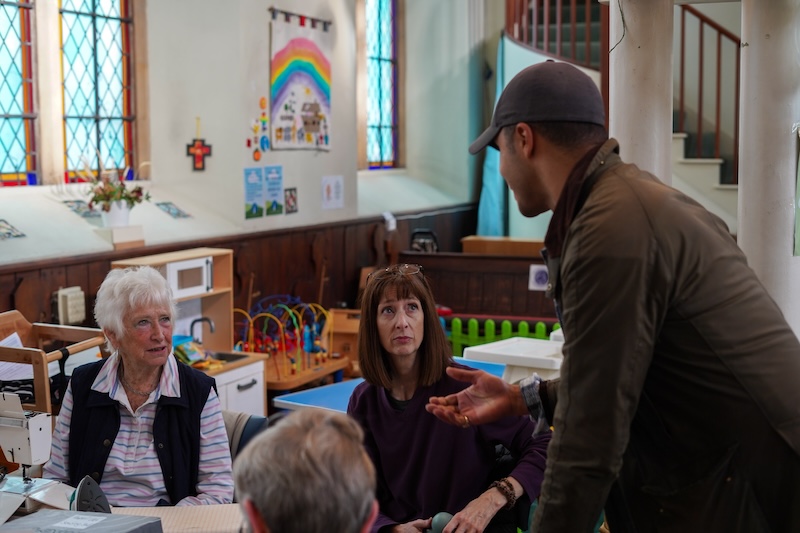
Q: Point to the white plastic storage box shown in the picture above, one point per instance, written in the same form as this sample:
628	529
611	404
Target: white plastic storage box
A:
522	356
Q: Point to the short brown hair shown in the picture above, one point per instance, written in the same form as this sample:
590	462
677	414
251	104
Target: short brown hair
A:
435	353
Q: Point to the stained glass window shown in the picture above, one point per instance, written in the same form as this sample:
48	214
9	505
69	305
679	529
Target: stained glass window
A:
96	60
18	158
381	83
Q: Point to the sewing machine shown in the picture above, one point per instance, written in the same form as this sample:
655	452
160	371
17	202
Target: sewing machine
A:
25	437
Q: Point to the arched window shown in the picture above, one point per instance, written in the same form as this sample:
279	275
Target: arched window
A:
96	63
67	89
379	70
18	157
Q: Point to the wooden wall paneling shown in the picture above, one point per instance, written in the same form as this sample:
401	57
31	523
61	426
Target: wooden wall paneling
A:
303	266
270	273
546	305
273	255
475	300
402	239
297	267
294	267
320	259
241	283
483	284
277	258
28	295
502	291
96	273
446	289
242	257
50	280
263	264
357	252
521	301
333	290
7	284
78	276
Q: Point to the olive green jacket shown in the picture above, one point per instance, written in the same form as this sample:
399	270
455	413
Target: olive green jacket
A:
679	399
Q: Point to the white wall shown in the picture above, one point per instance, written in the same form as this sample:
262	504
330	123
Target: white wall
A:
444	102
726	14
443	99
212	61
517	58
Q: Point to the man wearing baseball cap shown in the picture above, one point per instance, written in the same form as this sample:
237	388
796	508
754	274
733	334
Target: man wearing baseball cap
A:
678	405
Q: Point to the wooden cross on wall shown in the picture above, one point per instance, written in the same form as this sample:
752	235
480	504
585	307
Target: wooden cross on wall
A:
198	150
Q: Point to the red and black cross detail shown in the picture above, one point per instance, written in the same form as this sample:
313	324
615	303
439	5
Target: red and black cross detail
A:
198	150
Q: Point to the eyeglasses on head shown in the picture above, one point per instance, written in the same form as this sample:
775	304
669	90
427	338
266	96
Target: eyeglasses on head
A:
403	269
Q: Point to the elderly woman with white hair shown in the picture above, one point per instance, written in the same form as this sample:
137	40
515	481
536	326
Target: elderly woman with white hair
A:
146	428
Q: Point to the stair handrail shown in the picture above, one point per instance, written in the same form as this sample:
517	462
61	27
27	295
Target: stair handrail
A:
528	23
721	33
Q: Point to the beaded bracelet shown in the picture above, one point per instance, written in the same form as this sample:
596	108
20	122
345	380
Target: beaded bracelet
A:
505	488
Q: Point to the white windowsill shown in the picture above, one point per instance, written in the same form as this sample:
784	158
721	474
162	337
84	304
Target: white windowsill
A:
396	191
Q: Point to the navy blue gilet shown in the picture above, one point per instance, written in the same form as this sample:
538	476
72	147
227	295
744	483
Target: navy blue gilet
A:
176	429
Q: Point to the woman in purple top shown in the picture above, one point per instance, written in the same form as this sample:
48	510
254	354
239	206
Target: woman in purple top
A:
423	465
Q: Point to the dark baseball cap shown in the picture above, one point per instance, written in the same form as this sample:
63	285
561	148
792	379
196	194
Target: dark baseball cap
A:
544	92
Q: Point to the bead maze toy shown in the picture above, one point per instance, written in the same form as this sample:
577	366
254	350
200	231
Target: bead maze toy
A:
295	334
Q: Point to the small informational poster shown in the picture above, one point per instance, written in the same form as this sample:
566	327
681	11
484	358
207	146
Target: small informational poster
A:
538	278
332	192
274	187
254	193
290	198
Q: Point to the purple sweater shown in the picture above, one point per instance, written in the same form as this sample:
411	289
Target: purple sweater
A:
425	466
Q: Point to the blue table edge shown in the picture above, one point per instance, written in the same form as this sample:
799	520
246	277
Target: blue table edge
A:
335	397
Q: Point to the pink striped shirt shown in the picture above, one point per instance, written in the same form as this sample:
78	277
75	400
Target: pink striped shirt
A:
132	476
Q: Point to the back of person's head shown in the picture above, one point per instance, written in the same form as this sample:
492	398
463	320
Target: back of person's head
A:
125	289
407	281
558	100
308	473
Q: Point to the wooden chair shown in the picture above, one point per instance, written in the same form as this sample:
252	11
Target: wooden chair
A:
35	338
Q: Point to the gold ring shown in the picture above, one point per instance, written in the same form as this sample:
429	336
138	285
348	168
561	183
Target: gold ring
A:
466	422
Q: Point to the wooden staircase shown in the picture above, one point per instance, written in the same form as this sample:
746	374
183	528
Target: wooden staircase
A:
705	157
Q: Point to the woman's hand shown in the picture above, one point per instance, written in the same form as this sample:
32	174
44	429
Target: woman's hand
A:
415	526
480	511
486	400
477	514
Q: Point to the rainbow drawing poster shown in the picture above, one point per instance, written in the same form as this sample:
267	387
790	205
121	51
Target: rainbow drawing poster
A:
300	86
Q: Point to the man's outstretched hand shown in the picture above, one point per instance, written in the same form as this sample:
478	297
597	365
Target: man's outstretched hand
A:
487	399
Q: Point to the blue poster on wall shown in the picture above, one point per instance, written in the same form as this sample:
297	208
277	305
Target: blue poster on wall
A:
253	193
274	186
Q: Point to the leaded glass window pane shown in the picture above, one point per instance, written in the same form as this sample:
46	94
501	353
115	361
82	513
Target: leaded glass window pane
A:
80	6
17	114
381	83
96	60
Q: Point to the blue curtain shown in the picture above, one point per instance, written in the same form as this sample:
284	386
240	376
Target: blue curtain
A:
493	203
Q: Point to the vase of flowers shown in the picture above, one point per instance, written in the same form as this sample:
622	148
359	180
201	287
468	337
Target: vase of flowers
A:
115	199
117	216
